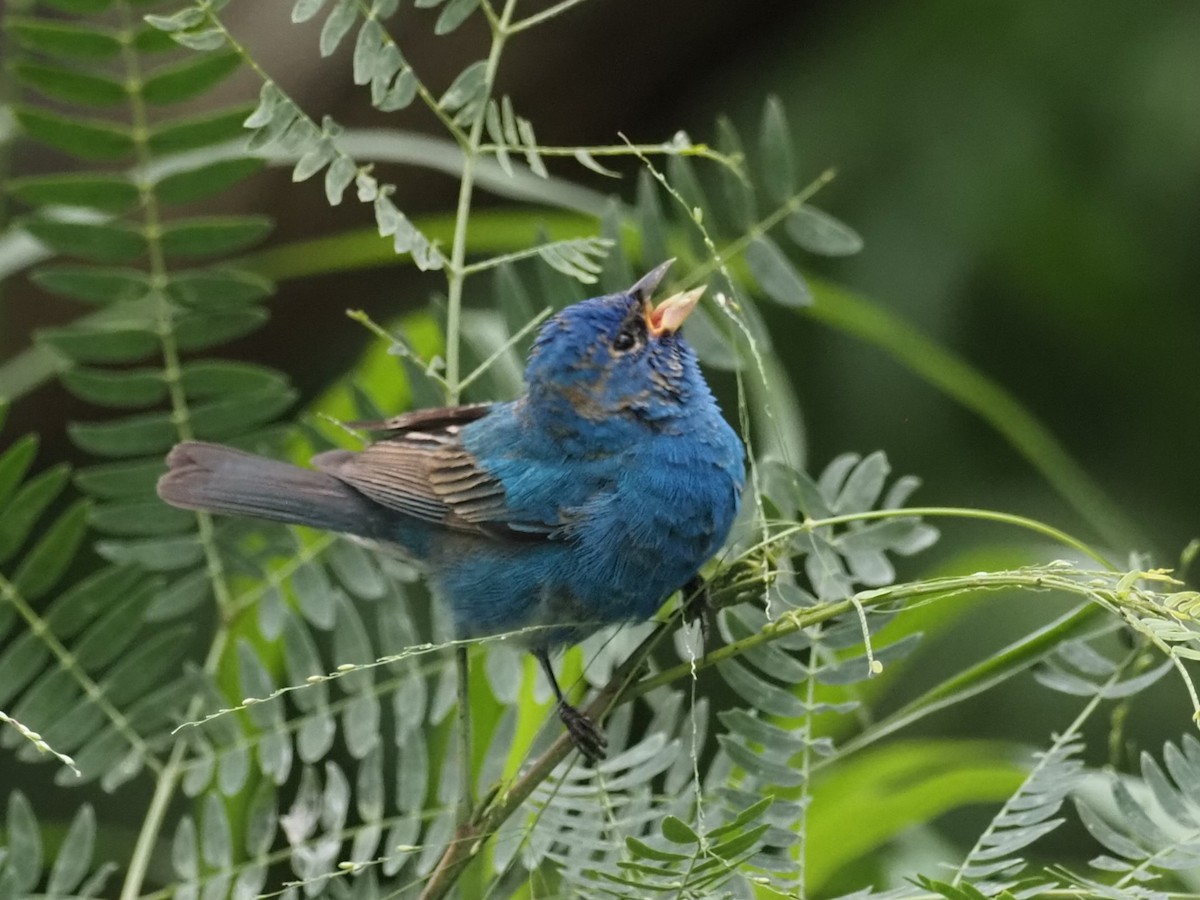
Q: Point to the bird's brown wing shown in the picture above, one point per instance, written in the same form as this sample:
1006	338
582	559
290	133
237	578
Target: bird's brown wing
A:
421	469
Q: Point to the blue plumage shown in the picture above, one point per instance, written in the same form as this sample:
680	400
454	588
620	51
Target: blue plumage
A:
586	502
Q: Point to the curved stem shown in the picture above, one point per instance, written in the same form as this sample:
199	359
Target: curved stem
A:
988	515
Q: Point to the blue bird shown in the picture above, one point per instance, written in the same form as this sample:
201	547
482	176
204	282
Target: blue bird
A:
586	502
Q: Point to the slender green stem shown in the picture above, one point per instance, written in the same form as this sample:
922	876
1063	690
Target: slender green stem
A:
168	778
538	18
503	348
456	275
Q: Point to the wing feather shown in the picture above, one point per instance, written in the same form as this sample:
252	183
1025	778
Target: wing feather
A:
421	469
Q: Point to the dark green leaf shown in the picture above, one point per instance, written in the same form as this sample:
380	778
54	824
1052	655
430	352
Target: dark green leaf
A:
819	232
24	845
84	7
75	854
678	831
151	40
72	611
149	662
62	39
107	637
69	85
196	332
20	662
189	79
215	288
775	144
219	378
93	284
650	221
131	436
642	850
357	571
180	597
454	14
105	193
238	414
14	463
124	479
776	275
97	345
107	242
213	234
156	555
119	388
206	180
201	131
141	518
738	844
739	195
27	506
44	565
84	138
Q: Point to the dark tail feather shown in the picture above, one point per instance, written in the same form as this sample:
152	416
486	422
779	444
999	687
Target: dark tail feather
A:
222	480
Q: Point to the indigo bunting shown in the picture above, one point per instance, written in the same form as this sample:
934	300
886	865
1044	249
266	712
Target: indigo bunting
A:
586	502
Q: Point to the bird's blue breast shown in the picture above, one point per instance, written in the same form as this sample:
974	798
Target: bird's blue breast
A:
636	518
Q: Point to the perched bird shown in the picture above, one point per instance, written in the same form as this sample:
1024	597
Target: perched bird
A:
586	502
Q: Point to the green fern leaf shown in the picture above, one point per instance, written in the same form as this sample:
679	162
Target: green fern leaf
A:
217	287
94	344
27	506
70	85
101	192
818	232
199	131
62	39
206	180
191	78
131	436
213	235
199	332
118	480
109	242
134	388
46	562
14	464
83	138
93	284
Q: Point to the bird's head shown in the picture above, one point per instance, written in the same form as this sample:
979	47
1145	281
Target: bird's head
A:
619	355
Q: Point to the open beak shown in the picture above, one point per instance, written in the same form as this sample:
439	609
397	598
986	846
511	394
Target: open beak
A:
668	316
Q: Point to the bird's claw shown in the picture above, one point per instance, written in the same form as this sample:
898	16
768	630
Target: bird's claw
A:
697	608
585	734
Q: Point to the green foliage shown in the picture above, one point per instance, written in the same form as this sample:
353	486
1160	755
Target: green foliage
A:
288	686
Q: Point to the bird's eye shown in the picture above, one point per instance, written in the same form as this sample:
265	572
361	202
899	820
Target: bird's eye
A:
625	340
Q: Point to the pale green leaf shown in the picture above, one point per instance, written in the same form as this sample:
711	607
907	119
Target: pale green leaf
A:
775	145
74	854
776	275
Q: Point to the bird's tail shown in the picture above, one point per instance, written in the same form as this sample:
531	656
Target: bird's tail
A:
219	479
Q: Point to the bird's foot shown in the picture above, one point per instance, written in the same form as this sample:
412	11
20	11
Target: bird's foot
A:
585	734
697	608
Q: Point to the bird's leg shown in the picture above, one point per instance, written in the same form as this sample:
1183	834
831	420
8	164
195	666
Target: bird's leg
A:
696	607
585	734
